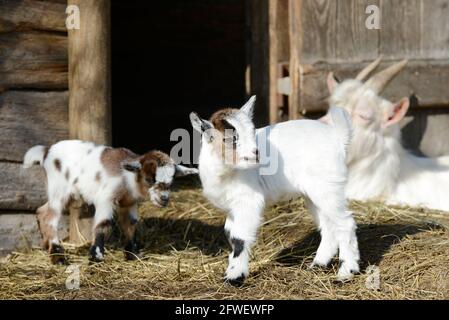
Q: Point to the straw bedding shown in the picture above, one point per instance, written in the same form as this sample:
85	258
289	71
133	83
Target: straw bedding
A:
184	256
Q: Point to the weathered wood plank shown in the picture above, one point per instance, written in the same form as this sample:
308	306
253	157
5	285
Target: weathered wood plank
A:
318	26
257	13
21	189
426	79
20	15
278	29
31	118
90	87
19	231
435	26
353	40
33	60
400	33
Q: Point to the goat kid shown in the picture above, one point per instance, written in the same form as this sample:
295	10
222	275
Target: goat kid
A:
110	179
310	158
379	166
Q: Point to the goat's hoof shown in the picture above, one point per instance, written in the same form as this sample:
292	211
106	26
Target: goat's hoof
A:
57	254
131	256
346	274
96	254
318	266
237	282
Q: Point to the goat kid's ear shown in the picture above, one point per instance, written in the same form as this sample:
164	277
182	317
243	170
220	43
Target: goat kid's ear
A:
399	111
201	125
248	107
182	171
132	166
332	82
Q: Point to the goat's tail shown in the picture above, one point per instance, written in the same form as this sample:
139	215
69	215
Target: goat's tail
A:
341	121
35	156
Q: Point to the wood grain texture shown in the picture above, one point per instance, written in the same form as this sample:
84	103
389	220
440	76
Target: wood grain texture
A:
317	28
33	60
428	80
25	15
435	29
90	89
31	118
21	189
258	14
353	40
90	73
19	231
400	34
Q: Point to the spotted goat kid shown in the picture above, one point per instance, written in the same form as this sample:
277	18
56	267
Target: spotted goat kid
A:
111	179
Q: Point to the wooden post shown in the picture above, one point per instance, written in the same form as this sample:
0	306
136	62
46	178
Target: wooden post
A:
294	10
90	89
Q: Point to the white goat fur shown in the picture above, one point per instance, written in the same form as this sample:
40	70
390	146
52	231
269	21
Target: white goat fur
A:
379	166
311	162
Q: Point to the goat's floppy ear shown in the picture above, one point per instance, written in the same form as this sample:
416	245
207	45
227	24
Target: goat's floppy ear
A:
332	82
133	165
182	171
399	111
201	125
248	107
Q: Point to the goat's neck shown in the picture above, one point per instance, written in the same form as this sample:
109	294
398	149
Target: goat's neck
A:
376	174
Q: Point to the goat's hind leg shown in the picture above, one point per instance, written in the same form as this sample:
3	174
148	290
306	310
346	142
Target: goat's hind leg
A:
48	220
340	230
328	247
127	218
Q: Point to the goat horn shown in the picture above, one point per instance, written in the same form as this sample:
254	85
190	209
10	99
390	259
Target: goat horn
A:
378	82
368	69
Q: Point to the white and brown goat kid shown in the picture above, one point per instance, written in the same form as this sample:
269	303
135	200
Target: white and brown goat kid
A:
111	179
379	166
310	158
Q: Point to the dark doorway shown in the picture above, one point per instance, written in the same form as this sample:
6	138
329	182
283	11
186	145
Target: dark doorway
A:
170	58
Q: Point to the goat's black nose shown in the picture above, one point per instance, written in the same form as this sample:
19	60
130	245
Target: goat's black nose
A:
164	198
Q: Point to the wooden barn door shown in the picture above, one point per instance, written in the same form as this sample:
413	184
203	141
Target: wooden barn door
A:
308	38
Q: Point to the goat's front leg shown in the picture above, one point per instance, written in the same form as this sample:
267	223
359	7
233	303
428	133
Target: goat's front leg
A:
102	227
243	226
127	218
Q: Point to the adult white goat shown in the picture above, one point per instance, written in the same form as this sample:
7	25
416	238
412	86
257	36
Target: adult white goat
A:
379	166
309	158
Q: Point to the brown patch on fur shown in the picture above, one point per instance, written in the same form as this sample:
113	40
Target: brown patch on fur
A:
217	118
127	224
98	176
44	217
57	163
103	227
112	159
67	174
123	198
226	153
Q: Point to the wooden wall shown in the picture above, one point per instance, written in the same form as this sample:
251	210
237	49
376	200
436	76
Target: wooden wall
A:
33	107
309	38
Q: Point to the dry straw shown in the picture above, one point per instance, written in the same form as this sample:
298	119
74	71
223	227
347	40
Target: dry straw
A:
184	255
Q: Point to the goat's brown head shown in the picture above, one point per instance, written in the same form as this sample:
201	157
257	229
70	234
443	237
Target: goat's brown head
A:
231	135
155	172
